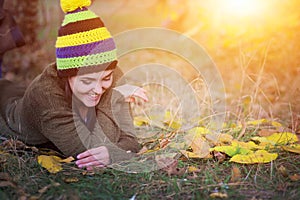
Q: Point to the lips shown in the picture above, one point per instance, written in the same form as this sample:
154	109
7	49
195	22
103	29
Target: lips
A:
94	97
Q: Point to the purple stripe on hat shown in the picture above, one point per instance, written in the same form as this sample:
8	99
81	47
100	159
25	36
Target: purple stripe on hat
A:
86	49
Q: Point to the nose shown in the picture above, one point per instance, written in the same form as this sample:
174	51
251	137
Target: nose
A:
98	88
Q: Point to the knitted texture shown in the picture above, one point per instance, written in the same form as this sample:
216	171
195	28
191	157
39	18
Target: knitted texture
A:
83	40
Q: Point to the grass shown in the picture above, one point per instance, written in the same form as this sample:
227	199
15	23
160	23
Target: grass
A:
28	180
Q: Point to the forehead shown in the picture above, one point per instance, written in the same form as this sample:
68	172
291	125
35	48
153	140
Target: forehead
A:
96	75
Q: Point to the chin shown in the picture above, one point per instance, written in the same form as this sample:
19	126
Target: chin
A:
91	104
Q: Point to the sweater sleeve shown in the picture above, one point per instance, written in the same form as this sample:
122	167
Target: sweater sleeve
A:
71	136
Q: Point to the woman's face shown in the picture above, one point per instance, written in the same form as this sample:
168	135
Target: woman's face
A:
88	88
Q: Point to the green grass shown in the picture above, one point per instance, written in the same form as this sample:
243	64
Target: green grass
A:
260	181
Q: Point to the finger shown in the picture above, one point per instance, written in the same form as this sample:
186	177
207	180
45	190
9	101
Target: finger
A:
92	164
90	152
85	160
142	95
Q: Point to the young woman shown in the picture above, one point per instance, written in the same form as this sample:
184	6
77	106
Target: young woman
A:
74	106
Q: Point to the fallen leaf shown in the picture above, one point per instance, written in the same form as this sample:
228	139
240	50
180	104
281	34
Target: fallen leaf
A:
225	138
197	131
295	148
143	150
171	121
219	156
276	124
246	145
295	177
163	143
260	156
51	163
235	174
257	122
282	170
218	195
44	189
231	150
266	132
67	160
192	169
141	121
7	184
198	144
71	180
169	165
282	138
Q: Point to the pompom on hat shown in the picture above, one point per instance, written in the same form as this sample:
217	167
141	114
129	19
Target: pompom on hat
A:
83	45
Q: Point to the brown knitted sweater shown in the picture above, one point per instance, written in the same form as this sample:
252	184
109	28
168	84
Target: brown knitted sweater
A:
44	114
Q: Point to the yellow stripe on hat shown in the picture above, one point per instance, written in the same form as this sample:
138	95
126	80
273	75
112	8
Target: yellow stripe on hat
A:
85	37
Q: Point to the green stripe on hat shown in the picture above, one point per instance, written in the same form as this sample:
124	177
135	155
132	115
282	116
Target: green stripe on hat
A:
79	16
83	61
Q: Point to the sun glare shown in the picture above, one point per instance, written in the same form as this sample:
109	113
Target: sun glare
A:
240	8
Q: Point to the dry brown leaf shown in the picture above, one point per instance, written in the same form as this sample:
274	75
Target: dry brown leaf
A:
295	177
282	170
219	156
7	184
266	132
71	180
143	150
193	177
170	166
235	174
164	142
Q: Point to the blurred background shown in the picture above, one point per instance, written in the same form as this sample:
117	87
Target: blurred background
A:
255	45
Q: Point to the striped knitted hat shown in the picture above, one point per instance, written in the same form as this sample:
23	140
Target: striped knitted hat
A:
83	45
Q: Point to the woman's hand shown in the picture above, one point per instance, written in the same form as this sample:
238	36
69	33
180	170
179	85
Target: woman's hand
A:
130	92
96	157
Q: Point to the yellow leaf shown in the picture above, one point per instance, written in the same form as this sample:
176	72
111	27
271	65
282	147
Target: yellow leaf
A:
218	195
246	145
232	150
51	163
140	121
192	169
257	122
171	121
260	156
295	148
276	124
225	138
282	138
71	180
197	131
67	160
189	154
198	144
176	125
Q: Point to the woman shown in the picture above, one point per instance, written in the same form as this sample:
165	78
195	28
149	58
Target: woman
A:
74	105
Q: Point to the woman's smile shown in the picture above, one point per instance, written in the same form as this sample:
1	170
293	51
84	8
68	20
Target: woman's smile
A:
88	88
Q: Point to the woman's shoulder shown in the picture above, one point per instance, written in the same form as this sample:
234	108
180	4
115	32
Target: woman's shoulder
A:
47	85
